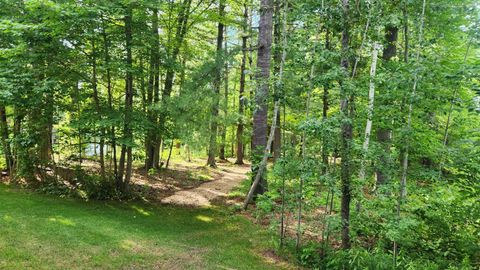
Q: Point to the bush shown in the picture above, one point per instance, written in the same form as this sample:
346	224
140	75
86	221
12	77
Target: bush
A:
81	185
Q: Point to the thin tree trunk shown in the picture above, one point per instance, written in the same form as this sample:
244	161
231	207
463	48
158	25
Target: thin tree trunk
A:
7	151
304	148
405	59
151	140
346	135
212	149
371	102
127	131
277	58
79	130
325	112
181	31
225	104
241	97
403	181
17	124
364	38
98	108
110	100
169	155
405	31
282	214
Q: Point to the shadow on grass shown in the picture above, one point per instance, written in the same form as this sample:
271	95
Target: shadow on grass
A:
45	232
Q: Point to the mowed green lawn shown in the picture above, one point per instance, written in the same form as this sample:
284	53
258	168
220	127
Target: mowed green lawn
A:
44	232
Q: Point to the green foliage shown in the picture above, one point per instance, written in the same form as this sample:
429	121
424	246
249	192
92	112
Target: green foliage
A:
63	87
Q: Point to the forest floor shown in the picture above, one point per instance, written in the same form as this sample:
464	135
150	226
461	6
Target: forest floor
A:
227	180
185	183
40	231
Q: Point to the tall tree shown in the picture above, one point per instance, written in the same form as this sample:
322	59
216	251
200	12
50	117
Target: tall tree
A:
384	134
98	108
212	149
122	183
346	131
241	96
173	50
260	115
225	102
371	100
152	143
277	58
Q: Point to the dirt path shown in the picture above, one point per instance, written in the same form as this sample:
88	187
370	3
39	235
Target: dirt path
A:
203	195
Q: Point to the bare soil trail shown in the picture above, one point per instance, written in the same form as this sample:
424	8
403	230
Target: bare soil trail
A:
202	196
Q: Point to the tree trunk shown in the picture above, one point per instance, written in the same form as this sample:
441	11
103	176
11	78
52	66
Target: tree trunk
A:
212	149
17	124
151	140
181	31
5	140
110	100
263	163
169	155
127	131
260	115
325	112
384	134
225	105
96	100
277	58
346	135
241	97
371	103
403	182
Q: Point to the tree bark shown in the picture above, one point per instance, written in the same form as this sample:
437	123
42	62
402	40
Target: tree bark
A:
169	154
260	115
151	140
277	58
7	151
113	142
325	111
127	131
371	103
263	163
225	104
212	149
241	97
384	134
346	135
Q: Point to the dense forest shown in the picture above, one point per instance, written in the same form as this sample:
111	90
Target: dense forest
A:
360	118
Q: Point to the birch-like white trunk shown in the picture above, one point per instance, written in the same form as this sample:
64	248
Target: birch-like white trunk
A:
371	102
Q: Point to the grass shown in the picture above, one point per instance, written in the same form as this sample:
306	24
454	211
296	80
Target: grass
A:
45	232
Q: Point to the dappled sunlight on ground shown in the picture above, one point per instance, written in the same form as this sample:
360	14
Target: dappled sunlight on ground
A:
62	221
141	211
204	218
204	194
